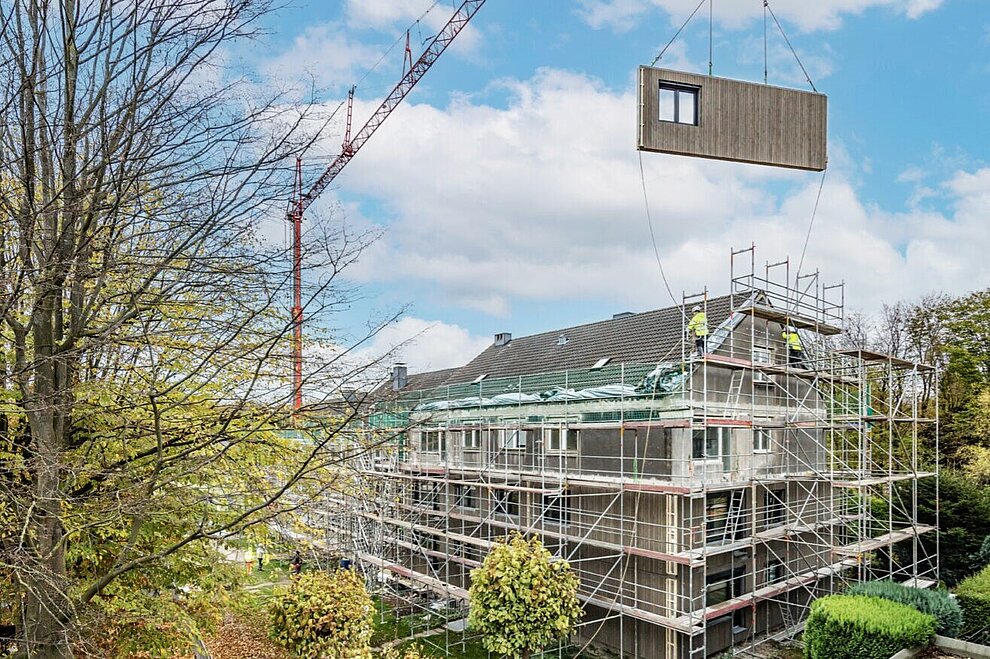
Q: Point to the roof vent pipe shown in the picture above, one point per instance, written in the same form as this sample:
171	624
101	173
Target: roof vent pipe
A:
502	339
400	376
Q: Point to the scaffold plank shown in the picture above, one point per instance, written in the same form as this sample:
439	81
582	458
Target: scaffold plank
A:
882	541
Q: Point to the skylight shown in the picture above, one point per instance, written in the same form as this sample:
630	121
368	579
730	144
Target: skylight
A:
478	379
600	364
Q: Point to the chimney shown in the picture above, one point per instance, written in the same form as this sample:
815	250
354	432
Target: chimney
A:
624	314
400	376
502	339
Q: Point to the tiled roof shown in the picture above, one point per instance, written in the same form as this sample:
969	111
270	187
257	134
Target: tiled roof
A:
429	379
647	337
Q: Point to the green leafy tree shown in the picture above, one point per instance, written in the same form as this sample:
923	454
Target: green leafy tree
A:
521	598
324	615
963	522
143	329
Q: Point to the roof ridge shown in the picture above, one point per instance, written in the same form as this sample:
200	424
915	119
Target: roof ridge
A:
612	320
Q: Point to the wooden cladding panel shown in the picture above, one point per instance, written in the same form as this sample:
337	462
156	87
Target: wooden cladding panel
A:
737	121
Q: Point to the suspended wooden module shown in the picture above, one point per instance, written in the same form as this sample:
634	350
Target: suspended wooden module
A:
708	117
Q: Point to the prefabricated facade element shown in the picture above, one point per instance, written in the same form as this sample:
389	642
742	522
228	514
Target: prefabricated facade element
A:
708	117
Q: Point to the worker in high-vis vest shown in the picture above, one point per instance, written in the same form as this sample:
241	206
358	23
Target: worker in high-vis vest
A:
795	353
698	326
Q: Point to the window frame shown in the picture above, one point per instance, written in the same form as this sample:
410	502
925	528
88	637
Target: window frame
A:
761	377
433	441
765	446
466	497
513	439
557	439
773	572
722	438
471	439
678	89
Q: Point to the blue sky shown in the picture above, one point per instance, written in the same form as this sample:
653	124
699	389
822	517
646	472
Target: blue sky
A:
507	186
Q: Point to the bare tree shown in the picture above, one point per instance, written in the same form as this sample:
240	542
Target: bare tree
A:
144	333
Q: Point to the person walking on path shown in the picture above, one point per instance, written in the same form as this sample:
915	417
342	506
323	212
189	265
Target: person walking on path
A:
261	558
295	566
249	557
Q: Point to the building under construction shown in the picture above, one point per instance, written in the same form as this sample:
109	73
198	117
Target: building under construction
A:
704	499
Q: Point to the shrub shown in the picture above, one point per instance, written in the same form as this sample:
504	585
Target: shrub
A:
324	614
973	595
862	627
521	598
948	616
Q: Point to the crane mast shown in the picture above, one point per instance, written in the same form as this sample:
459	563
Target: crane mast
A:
350	147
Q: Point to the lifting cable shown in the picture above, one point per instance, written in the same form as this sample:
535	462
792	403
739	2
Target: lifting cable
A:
811	224
767	7
653	238
677	34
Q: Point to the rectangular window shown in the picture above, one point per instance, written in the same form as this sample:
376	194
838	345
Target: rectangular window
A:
427	494
773	572
433	441
762	356
716	516
711	443
514	439
555	508
505	502
723	586
775	507
552	439
471	438
679	104
761	440
740	620
466	496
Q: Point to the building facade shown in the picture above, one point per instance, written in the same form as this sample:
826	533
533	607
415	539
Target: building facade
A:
703	499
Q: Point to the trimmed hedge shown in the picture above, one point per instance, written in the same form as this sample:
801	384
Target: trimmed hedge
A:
973	595
863	627
948	616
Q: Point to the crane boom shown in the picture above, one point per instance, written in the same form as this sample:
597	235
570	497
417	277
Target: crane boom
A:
302	201
439	44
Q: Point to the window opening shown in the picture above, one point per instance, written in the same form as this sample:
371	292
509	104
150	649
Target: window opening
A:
679	104
775	507
466	496
471	438
761	440
555	508
505	502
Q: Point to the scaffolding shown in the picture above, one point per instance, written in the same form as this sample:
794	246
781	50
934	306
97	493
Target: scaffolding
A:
703	501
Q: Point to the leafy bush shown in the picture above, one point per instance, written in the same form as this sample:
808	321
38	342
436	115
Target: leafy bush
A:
521	598
863	627
948	616
324	614
973	594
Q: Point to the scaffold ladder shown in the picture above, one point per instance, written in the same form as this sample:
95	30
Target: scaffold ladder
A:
736	500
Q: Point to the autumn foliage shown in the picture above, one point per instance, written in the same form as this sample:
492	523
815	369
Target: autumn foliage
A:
324	615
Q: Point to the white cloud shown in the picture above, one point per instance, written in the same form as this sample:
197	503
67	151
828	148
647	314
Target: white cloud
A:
424	345
426	17
324	54
621	15
542	201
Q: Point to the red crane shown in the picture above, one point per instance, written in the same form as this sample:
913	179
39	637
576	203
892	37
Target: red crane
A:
349	149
